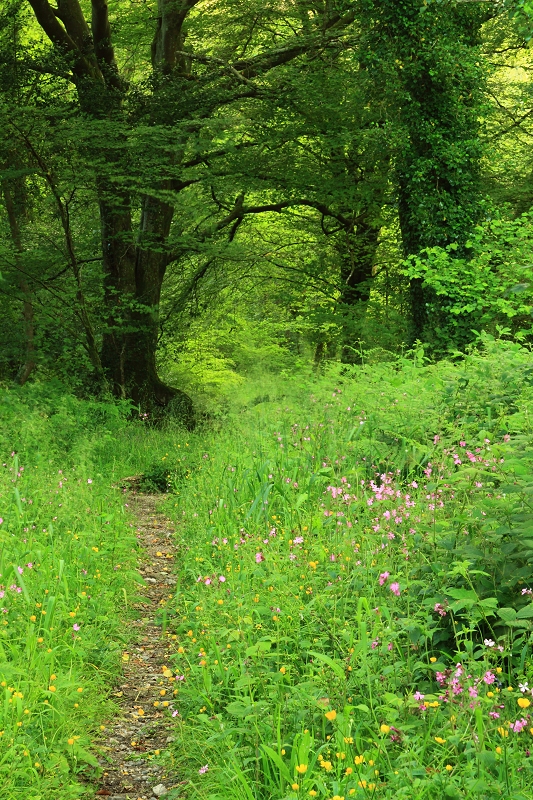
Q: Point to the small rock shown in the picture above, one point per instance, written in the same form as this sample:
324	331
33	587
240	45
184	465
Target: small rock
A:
150	580
159	790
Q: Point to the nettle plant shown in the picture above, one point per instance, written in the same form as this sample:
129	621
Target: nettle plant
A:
346	623
487	282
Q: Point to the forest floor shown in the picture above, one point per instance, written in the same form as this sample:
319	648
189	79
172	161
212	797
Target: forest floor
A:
141	730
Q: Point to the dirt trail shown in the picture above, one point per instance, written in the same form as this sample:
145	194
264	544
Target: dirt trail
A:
142	727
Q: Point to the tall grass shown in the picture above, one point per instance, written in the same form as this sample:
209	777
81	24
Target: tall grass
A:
353	610
67	572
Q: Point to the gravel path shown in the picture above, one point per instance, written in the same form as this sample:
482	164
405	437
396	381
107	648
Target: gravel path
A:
143	729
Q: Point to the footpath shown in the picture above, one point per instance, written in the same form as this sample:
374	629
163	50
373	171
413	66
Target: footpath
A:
130	744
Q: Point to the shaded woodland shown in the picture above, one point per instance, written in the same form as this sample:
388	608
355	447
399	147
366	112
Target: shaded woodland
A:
331	180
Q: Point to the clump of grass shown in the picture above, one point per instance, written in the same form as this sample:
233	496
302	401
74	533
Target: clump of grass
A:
68	554
353	616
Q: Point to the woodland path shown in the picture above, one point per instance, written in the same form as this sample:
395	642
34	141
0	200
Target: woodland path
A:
142	728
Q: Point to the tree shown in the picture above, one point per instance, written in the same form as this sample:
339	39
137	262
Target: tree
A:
143	135
430	58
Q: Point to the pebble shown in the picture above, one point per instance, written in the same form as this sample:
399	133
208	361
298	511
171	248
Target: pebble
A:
160	790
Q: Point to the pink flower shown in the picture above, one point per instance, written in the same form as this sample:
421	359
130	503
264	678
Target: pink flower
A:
258	558
383	577
203	769
395	589
489	677
222	579
75	627
439	609
20	570
207	581
89	480
418	696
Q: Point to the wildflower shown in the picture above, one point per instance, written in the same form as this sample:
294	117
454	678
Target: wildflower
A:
75	627
331	715
488	643
432	660
358	760
222	579
523	702
203	769
295	786
89	480
395	589
383	577
439	608
448	767
440	740
518	726
523	687
489	677
503	732
259	557
301	768
418	696
384	728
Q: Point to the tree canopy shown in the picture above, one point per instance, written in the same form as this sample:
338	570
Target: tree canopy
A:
339	175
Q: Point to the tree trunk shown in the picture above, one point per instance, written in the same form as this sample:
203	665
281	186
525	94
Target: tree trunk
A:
134	275
28	315
358	252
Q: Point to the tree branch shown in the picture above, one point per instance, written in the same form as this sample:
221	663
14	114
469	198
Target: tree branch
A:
65	40
103	47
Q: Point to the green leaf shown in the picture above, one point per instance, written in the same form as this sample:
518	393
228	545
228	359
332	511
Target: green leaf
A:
335	666
526	612
278	761
507	614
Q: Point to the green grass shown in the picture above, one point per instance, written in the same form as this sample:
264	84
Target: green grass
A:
336	564
68	554
310	623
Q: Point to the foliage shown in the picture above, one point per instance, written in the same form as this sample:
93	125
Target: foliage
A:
343	553
489	287
67	568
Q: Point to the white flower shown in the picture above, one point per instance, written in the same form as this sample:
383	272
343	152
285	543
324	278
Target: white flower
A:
523	687
489	643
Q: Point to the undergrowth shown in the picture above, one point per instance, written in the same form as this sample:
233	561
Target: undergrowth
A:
353	616
67	580
353	612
